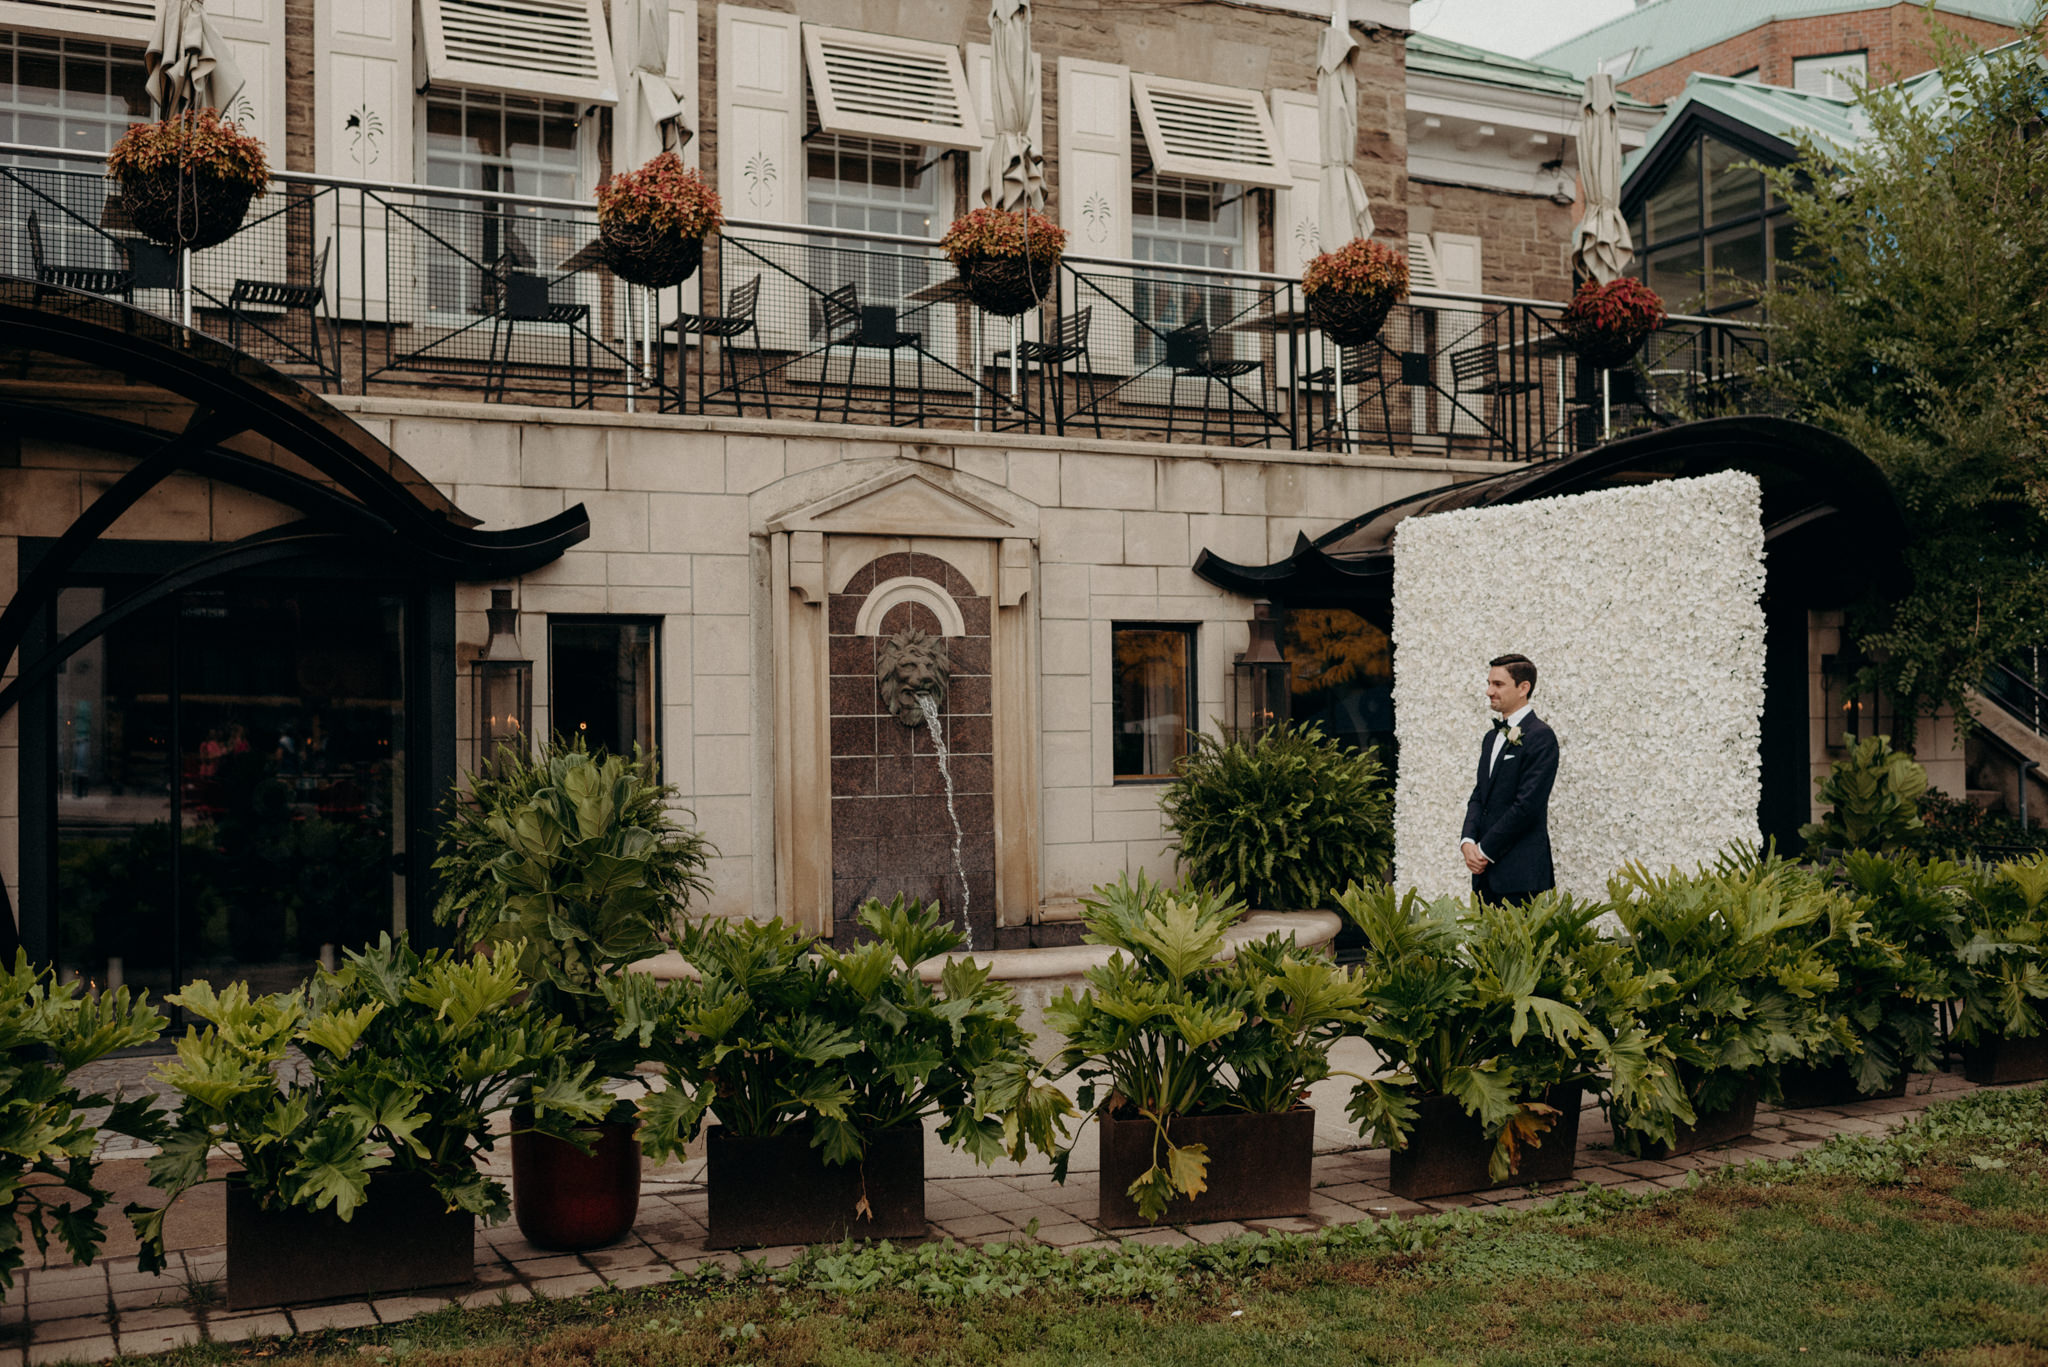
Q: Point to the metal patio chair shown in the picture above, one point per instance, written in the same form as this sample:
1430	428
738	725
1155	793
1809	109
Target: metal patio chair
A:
520	296
735	322
251	302
116	282
1190	352
1069	343
844	322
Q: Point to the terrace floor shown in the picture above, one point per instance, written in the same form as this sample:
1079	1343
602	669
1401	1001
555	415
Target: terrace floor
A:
63	1313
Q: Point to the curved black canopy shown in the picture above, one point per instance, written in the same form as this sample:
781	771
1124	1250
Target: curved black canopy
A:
1832	529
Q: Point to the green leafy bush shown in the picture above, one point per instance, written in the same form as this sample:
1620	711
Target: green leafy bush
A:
2004	983
1168	1028
1495	1005
579	859
1287	820
1729	992
1873	798
48	1030
1956	828
407	1060
778	1032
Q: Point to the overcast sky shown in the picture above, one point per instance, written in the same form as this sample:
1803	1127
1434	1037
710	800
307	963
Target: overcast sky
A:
1520	28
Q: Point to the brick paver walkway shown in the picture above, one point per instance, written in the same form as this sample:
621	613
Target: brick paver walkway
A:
62	1313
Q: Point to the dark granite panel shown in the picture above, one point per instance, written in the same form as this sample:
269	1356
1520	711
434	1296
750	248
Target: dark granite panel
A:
853	655
853	777
853	736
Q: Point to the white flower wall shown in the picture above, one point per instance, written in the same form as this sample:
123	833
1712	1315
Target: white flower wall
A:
1642	609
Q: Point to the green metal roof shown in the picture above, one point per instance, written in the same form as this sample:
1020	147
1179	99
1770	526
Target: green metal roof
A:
1664	31
1442	57
1771	109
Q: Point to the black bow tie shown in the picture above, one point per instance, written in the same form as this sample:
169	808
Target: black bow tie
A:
1500	723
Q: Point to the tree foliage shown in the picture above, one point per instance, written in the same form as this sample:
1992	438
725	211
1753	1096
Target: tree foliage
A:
1914	321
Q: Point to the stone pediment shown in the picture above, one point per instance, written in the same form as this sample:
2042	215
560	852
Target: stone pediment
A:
905	503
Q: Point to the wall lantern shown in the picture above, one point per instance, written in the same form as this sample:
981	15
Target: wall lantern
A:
1264	679
504	683
1849	715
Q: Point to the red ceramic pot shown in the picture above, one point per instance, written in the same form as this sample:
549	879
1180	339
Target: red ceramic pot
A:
568	1200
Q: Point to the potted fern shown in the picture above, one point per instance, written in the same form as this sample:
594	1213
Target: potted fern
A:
358	1171
580	861
1289	818
1006	259
1730	991
1491	1022
1606	325
652	222
2002	1015
1197	1067
822	1066
187	181
48	1031
1351	291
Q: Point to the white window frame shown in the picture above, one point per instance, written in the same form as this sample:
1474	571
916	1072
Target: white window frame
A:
118	58
1172	155
107	21
580	20
1826	75
839	111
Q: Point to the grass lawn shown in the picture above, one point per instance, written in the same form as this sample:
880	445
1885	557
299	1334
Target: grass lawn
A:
1927	1245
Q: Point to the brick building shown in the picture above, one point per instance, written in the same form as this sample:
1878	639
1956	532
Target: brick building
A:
1814	46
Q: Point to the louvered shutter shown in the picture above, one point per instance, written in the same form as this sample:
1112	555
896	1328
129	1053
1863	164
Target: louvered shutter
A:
110	21
363	116
1422	272
1209	132
1296	227
553	49
1094	193
881	86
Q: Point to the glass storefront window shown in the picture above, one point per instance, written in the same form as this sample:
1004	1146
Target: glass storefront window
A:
1152	713
1733	190
601	683
1343	675
1674	272
1736	266
230	798
1674	206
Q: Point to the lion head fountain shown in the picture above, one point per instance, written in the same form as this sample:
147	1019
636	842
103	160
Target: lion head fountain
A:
910	663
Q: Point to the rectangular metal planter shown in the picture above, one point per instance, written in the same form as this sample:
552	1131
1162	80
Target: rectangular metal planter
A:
780	1190
402	1238
1258	1166
1738	1121
1448	1150
1831	1084
1999	1061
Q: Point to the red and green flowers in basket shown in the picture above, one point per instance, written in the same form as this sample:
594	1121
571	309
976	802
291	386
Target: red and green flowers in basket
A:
662	196
1606	323
1001	232
1362	267
196	144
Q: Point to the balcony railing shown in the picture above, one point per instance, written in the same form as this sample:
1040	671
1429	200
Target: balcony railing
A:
378	288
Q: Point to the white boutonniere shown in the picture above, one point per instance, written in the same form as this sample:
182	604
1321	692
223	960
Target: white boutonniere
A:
1514	735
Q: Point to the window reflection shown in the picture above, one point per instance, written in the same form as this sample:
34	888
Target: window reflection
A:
1152	711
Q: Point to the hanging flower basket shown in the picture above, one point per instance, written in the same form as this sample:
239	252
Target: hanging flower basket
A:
1606	325
1351	291
1006	260
651	223
187	181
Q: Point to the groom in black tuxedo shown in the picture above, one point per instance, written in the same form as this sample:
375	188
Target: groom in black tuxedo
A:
1507	823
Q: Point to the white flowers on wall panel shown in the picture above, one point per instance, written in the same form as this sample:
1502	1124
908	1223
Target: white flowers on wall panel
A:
1642	609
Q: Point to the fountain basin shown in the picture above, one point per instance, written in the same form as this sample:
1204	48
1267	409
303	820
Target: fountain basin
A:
1037	976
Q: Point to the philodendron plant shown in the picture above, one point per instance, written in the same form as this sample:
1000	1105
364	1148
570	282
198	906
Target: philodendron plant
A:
577	859
407	1060
1493	1006
49	1030
1169	1028
2005	988
1732	992
778	1032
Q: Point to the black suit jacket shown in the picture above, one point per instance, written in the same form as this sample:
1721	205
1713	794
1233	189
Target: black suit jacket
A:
1509	814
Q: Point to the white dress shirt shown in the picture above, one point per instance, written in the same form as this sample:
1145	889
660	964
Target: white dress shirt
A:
1500	738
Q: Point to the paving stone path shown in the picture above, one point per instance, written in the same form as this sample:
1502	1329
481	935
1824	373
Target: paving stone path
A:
62	1313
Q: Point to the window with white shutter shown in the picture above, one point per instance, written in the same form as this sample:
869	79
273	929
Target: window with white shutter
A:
879	85
107	20
1209	132
546	48
1836	76
1422	271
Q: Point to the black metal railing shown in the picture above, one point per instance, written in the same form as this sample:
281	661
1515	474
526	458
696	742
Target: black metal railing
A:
365	288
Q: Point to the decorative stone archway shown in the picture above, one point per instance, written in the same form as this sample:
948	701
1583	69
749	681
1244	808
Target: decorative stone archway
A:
856	807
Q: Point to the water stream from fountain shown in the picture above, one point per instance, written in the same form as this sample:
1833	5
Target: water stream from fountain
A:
938	733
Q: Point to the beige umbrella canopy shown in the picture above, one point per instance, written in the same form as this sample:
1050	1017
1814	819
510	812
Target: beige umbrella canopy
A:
188	67
1342	212
1016	174
1601	249
650	118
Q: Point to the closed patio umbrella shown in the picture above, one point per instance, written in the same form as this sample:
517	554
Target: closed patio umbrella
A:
1342	212
188	67
649	119
1601	249
1016	172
